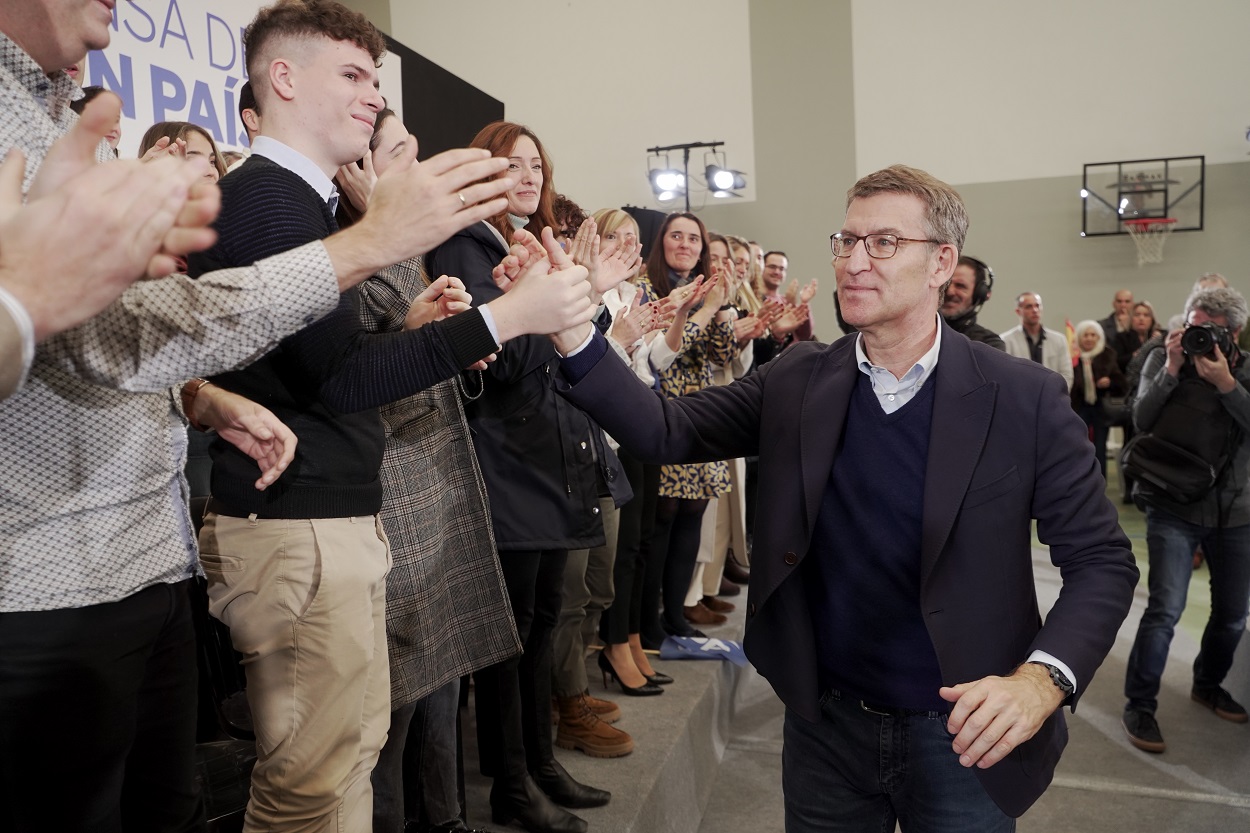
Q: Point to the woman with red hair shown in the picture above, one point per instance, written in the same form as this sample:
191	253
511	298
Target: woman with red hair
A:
544	463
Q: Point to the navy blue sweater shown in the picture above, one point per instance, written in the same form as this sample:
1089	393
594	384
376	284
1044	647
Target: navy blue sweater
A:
326	381
865	589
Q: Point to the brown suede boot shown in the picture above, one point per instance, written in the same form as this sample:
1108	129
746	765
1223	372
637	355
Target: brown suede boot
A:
581	729
605	710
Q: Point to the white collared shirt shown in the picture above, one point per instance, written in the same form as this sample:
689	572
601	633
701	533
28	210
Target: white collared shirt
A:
298	164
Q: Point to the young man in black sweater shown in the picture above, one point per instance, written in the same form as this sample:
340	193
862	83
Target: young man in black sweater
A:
298	571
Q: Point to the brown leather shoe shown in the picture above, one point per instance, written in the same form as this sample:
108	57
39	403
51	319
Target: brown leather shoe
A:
735	572
728	588
581	729
605	710
717	606
700	615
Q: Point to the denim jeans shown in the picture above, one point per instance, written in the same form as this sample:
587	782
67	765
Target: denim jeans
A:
861	771
418	773
1171	542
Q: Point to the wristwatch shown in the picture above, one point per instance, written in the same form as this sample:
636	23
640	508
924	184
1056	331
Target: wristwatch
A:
1057	677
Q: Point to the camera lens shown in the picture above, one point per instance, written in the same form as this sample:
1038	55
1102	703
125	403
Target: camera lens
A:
1198	340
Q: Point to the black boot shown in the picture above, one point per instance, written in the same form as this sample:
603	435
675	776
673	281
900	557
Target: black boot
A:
524	801
556	782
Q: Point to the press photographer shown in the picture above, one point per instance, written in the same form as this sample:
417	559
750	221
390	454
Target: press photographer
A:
1192	465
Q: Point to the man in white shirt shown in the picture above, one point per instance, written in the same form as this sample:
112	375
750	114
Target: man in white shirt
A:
1031	340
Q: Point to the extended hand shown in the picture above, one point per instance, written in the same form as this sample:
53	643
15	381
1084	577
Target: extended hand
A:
994	715
552	295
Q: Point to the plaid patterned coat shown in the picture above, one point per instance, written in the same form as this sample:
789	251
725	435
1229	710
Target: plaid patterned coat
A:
447	613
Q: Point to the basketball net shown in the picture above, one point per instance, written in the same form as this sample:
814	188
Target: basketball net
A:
1149	234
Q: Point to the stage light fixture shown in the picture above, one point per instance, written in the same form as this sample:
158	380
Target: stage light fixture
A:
667	179
722	179
668	182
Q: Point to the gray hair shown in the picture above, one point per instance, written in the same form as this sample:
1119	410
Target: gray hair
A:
946	219
1220	301
1208	281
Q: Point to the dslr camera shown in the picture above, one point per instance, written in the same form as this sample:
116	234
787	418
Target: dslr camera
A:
1201	340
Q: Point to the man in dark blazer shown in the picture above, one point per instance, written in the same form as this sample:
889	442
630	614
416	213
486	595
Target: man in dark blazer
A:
892	602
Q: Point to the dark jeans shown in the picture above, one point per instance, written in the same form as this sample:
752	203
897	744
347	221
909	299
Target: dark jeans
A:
1096	421
1171	544
636	523
97	717
514	696
417	776
678	524
858	771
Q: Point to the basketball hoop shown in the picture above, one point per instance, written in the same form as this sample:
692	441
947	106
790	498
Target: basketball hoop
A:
1150	233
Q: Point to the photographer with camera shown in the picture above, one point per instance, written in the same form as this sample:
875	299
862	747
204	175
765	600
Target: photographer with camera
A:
1192	465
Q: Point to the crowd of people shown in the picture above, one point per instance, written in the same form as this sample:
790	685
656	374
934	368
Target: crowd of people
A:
461	429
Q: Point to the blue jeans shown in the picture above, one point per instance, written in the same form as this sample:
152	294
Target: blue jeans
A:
860	771
1171	543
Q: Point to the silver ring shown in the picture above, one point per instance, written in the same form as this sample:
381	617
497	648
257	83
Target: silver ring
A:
460	194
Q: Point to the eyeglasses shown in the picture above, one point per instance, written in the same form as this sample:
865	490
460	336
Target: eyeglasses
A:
878	246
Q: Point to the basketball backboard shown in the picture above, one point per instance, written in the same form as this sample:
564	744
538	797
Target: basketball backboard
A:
1139	189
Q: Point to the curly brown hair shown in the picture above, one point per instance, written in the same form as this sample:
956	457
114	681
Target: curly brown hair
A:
308	19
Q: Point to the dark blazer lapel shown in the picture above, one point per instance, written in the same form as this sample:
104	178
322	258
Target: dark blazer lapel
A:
820	425
963	406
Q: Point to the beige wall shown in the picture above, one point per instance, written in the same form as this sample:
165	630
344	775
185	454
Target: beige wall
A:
804	140
600	82
379	11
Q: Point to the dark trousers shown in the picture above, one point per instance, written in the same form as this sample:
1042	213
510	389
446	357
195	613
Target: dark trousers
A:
636	524
861	771
514	696
1098	431
417	777
678	525
97	717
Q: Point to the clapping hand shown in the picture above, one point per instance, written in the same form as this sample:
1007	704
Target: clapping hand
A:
357	182
807	293
749	329
166	147
442	298
609	265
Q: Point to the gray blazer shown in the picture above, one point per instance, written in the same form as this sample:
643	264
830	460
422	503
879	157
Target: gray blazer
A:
447	613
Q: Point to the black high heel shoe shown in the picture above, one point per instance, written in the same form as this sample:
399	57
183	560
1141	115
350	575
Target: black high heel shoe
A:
659	679
647	689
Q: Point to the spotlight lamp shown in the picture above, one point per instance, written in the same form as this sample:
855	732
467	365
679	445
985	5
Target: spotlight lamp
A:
667	180
722	179
668	183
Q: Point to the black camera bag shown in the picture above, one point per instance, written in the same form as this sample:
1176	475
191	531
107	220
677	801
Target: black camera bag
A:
1188	450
